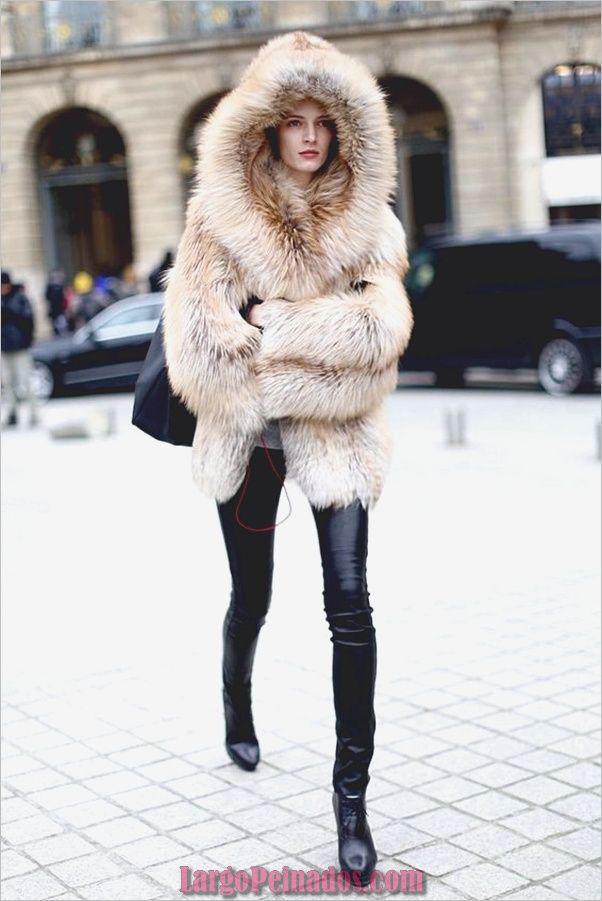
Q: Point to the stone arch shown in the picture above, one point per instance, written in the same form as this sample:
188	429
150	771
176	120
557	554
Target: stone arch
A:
188	137
423	127
42	119
80	162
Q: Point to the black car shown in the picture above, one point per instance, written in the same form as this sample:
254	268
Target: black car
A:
517	300
106	353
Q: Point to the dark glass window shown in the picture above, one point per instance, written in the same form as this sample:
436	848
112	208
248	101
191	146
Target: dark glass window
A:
571	106
488	268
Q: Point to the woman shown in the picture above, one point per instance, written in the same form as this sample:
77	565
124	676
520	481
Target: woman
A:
306	371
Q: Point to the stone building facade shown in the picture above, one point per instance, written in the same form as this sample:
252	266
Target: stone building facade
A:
100	103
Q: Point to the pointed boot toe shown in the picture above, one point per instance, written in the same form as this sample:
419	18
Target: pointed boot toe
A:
357	853
244	753
241	741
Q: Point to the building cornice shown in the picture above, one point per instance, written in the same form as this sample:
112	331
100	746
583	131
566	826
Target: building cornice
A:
498	17
238	40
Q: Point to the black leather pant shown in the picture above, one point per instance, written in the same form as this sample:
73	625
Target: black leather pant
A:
343	540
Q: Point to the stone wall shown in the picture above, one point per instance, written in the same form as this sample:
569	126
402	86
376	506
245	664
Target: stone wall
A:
484	69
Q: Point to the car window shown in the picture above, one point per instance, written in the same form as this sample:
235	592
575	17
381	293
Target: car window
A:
489	267
572	249
135	314
135	321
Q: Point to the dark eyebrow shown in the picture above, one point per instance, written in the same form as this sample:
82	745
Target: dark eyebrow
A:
296	116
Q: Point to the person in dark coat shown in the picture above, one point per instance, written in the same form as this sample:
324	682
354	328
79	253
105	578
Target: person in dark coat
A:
17	338
155	278
57	302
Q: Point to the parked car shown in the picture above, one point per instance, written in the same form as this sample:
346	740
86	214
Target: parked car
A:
516	300
106	353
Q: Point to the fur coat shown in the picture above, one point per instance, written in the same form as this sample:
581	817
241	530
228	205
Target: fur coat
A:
328	261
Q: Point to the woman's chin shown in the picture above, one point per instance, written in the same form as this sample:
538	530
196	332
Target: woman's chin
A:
311	165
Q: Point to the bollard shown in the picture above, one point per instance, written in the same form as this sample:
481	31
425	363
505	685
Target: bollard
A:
98	424
101	423
448	427
461	426
455	427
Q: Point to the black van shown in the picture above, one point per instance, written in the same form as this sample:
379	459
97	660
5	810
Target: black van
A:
515	300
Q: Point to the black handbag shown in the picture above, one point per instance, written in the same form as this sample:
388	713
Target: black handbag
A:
157	410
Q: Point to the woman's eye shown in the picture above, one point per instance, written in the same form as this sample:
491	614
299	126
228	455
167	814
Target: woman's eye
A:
297	122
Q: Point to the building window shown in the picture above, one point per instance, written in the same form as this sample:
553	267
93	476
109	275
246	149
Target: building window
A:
229	15
73	24
378	10
571	106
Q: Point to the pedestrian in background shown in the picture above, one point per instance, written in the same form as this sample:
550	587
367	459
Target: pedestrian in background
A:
57	301
130	284
17	338
107	284
90	301
155	279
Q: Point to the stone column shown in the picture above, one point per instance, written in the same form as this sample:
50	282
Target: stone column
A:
479	153
23	253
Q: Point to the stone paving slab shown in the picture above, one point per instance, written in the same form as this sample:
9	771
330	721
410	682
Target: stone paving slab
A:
487	769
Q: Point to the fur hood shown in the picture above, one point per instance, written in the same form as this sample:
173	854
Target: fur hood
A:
293	241
329	262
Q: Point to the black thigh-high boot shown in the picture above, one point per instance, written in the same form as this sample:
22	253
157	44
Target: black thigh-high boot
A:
354	676
251	559
343	537
240	636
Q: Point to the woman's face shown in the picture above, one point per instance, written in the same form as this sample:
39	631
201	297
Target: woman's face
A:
304	136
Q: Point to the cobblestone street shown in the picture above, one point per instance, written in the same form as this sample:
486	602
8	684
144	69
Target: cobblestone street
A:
483	576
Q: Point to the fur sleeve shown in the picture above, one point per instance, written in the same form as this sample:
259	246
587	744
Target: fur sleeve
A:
209	346
335	356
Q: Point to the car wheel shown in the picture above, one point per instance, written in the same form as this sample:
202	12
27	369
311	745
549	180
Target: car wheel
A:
42	381
562	367
449	378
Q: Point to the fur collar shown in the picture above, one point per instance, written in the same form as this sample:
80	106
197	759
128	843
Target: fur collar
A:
288	241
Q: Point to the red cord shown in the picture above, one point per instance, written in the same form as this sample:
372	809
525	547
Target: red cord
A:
263	528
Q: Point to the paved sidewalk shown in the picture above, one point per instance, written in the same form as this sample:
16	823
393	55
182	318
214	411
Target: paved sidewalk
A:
483	576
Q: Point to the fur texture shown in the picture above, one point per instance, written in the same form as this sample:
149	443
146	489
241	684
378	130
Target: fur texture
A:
329	262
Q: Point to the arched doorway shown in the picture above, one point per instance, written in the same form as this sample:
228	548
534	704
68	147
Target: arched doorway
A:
424	202
188	141
82	175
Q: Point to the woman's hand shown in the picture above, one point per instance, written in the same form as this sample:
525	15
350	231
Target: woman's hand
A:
256	313
254	316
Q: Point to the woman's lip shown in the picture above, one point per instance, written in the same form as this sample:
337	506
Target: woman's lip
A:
309	153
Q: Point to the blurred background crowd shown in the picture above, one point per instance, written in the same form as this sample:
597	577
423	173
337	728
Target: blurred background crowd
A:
73	303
